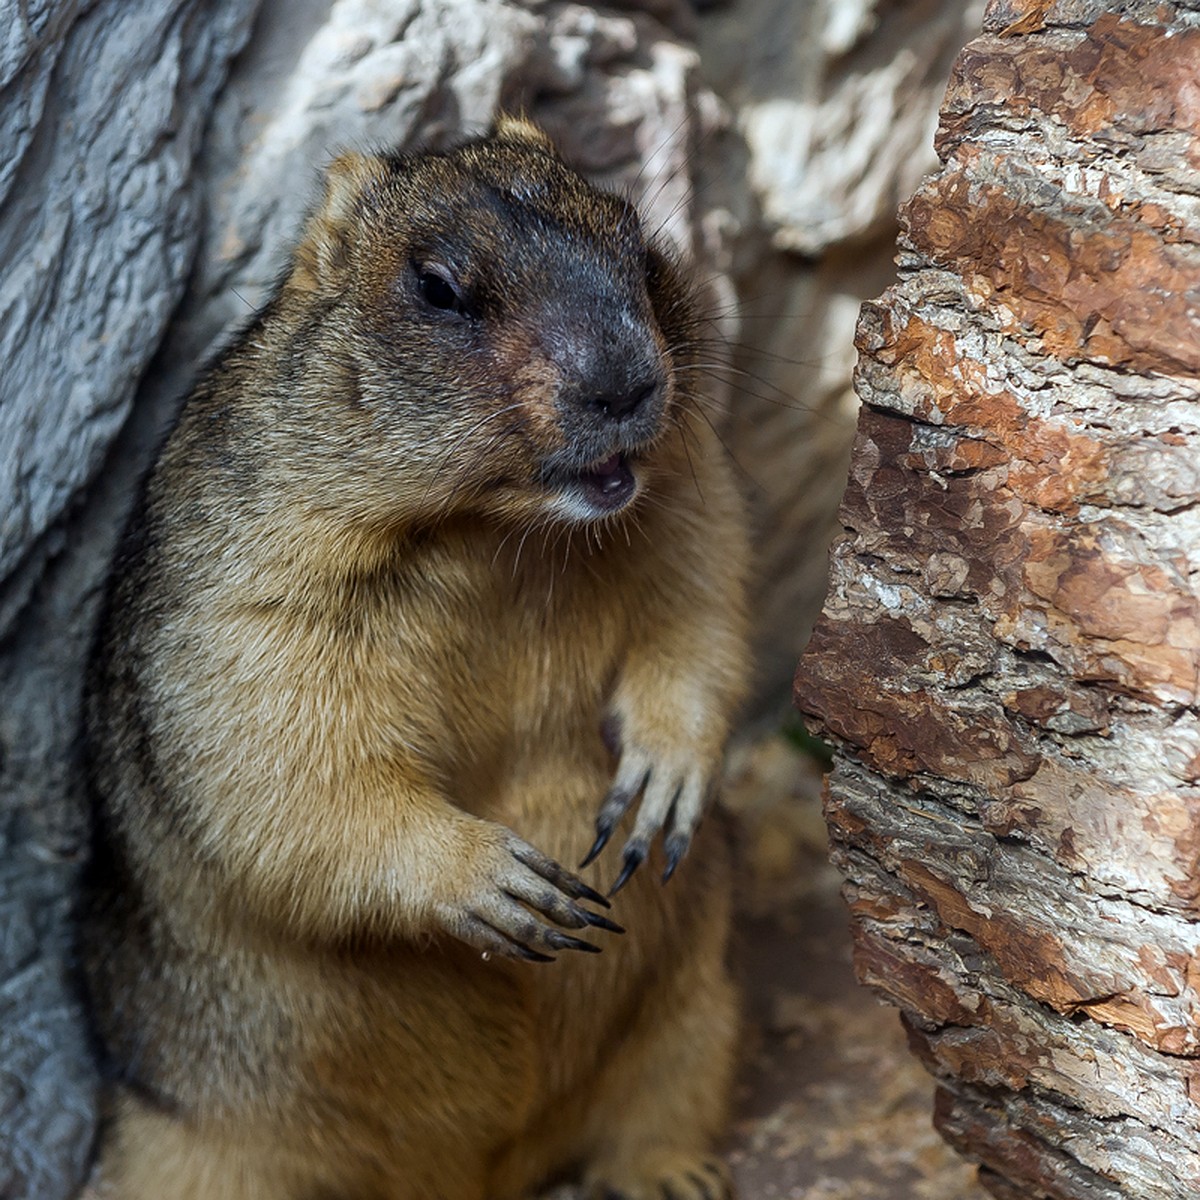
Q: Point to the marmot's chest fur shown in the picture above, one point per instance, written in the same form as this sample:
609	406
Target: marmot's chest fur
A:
437	582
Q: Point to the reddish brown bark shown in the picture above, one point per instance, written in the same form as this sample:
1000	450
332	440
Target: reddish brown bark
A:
1009	657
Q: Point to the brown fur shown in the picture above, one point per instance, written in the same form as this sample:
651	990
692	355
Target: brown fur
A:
354	641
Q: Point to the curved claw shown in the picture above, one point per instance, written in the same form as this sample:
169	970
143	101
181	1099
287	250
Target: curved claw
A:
603	922
532	955
564	941
497	941
561	878
615	805
635	855
603	833
590	894
675	847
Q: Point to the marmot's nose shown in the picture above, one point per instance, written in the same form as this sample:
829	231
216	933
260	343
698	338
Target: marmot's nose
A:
626	401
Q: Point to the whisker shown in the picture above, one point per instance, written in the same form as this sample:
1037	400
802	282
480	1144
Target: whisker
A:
503	543
520	547
461	439
725	446
816	362
659	152
469	480
781	398
682	424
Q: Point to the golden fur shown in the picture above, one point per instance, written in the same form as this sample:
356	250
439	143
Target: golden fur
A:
347	702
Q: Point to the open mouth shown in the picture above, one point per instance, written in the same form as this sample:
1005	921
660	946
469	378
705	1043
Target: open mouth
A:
609	485
592	492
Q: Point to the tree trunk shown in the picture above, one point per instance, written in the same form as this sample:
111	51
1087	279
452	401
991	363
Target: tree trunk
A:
1009	656
102	113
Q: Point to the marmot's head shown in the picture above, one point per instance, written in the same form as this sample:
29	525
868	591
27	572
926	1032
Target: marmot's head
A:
506	338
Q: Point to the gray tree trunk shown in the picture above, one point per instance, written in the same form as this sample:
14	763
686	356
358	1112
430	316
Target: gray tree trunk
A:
1009	657
102	110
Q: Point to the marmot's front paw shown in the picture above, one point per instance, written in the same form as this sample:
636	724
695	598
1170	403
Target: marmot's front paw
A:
667	1175
675	788
489	910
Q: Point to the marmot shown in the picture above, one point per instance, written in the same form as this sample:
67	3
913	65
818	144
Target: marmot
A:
435	584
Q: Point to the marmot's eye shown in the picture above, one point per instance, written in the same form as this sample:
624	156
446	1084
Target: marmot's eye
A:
438	290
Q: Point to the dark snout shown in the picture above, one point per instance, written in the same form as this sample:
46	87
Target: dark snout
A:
610	403
621	401
613	390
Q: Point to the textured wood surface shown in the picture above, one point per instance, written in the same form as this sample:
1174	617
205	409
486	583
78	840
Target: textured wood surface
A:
1009	657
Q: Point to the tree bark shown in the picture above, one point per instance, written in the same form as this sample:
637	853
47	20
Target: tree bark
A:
102	113
1009	656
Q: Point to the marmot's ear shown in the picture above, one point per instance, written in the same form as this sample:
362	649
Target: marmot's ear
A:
522	131
322	255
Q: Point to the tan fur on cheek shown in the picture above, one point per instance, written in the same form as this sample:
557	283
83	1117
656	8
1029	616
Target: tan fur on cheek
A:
536	382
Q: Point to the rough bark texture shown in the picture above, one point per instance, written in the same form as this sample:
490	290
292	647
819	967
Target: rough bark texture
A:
835	102
1009	657
119	221
102	109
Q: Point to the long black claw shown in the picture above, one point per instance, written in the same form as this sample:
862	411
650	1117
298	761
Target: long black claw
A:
564	941
583	892
533	955
603	833
675	847
602	922
614	806
635	855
